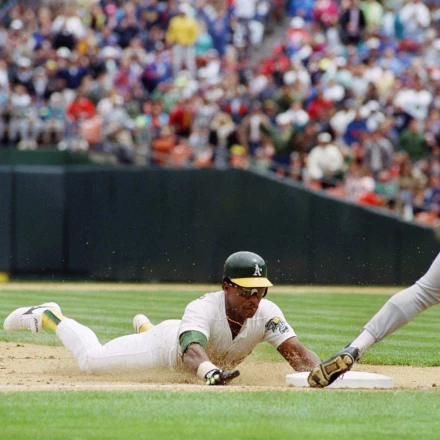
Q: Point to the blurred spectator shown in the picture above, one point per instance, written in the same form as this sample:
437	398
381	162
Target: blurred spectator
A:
401	118
370	199
409	183
73	72
4	77
182	35
158	67
430	196
281	134
378	152
297	35
80	108
325	12
373	12
277	64
413	142
54	118
24	124
218	28
325	163
386	188
249	132
375	117
204	112
263	156
356	129
415	100
238	105
244	13
201	149
68	28
162	146
318	104
181	154
352	21
305	140
359	183
128	27
429	217
301	8
24	72
391	25
298	117
334	92
341	118
222	136
239	157
389	61
204	41
181	117
359	84
152	13
415	17
38	85
119	126
153	118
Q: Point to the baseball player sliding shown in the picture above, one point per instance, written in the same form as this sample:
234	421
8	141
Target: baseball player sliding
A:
217	331
400	309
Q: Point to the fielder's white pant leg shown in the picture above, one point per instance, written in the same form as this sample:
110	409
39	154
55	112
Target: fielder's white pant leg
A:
407	304
157	347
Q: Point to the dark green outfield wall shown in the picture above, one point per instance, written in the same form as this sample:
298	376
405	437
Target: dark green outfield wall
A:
179	225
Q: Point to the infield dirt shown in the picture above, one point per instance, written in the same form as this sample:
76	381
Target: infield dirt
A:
29	367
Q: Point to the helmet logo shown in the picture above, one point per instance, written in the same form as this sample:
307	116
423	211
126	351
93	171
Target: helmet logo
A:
257	272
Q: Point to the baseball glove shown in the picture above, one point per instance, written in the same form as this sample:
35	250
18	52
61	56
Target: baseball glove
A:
220	377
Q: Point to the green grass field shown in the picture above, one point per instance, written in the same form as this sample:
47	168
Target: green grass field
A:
324	322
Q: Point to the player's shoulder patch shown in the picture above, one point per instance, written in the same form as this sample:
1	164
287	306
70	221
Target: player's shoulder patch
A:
276	324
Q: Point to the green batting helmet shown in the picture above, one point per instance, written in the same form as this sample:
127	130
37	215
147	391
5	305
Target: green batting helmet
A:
246	269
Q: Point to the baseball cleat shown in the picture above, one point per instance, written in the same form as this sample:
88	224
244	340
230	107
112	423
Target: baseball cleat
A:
139	321
329	370
28	318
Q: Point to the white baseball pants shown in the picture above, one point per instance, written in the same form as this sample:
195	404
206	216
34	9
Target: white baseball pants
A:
406	304
157	347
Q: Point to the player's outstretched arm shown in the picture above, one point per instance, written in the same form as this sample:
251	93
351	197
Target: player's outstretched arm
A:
194	355
196	359
298	356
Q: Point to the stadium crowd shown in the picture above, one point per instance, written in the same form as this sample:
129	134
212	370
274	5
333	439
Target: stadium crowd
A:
348	101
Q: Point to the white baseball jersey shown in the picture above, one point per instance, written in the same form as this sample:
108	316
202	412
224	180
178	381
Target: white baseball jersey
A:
160	347
207	315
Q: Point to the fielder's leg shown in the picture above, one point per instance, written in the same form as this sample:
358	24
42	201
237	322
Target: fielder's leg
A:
398	311
405	305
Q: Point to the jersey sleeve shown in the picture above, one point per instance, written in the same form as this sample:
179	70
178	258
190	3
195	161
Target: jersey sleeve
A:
276	329
197	316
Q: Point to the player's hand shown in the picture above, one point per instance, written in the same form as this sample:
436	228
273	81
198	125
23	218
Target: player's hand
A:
220	377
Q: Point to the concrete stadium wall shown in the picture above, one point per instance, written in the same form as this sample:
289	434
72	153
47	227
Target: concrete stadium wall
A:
132	224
